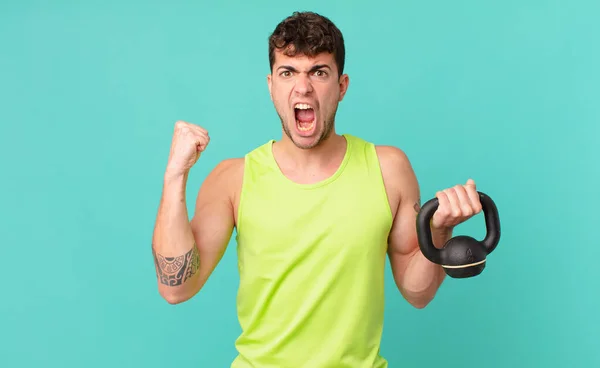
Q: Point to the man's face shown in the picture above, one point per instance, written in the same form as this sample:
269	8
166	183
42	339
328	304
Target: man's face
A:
306	92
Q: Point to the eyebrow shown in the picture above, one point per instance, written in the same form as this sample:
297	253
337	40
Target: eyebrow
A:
315	67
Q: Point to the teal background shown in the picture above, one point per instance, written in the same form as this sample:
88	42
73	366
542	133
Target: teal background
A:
506	92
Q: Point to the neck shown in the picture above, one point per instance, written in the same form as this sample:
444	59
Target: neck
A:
329	152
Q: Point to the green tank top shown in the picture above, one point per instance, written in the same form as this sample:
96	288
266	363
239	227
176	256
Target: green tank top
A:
311	260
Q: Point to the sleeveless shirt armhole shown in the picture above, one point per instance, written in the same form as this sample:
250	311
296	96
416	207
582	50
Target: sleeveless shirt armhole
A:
240	214
381	184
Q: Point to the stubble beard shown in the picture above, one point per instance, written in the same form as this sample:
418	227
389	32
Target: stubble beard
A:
325	133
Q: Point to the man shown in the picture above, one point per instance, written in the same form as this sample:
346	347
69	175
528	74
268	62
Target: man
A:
316	213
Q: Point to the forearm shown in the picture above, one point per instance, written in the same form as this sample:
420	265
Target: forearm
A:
174	250
423	278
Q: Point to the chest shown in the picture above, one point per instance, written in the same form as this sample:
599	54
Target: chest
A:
328	221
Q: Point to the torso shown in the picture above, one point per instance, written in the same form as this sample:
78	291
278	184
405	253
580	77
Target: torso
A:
311	253
391	181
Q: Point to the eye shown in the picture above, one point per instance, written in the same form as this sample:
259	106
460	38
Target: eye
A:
321	73
285	73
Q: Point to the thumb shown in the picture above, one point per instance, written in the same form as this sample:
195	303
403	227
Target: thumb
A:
471	182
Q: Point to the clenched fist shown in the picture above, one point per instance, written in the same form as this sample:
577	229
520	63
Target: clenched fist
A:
189	141
456	205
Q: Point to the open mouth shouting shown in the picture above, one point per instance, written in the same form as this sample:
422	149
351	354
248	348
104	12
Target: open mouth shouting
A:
305	119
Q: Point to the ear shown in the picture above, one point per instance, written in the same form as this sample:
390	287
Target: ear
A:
269	84
344	83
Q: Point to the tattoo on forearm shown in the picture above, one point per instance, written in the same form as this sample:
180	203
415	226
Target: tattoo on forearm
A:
417	205
174	271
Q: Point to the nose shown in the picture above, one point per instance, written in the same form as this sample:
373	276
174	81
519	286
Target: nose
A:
303	85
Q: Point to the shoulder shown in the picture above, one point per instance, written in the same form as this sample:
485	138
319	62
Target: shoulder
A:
228	174
228	170
230	164
393	160
224	177
398	174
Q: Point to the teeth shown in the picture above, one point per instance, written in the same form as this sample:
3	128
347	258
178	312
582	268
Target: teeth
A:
304	127
302	106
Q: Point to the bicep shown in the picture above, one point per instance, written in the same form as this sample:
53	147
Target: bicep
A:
213	221
403	242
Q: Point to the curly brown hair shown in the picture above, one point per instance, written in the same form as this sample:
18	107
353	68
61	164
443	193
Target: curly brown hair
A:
307	33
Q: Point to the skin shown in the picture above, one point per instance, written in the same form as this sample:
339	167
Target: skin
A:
187	252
